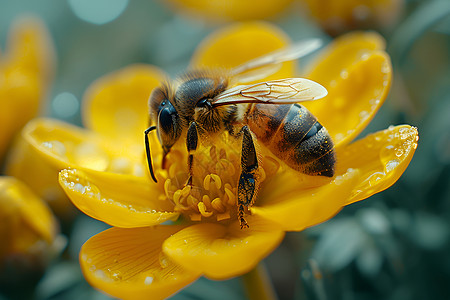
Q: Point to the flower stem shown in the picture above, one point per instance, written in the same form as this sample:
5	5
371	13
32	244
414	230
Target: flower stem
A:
258	285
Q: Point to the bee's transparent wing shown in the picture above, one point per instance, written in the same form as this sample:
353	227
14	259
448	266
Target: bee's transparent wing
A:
266	65
282	91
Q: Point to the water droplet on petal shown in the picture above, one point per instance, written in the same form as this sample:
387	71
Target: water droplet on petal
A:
375	177
363	115
55	147
391	165
148	280
79	188
116	276
163	261
385	68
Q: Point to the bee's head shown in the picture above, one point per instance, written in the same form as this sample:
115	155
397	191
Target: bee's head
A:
164	114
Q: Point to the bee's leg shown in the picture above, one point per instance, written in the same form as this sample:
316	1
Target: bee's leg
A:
247	181
191	144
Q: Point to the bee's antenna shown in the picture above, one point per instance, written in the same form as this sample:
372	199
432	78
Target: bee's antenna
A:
147	150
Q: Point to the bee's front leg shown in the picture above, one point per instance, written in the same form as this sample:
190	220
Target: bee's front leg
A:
247	181
191	144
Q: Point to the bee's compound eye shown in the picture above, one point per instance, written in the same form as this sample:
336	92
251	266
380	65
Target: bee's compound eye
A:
167	119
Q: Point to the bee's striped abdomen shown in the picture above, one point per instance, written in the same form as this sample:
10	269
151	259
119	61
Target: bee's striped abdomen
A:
295	136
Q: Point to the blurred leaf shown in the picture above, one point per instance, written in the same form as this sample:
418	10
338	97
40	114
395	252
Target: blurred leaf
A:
205	289
84	228
373	221
58	279
313	282
370	261
422	19
340	243
429	231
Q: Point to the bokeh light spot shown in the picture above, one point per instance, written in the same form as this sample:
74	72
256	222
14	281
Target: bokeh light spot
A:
65	105
98	11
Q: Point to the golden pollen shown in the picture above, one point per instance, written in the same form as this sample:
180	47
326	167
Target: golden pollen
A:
213	193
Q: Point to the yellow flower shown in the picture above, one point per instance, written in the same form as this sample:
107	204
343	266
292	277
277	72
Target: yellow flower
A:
29	234
230	10
337	16
166	235
25	71
25	74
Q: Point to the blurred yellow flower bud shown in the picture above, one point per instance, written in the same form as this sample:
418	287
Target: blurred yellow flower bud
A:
338	16
26	68
29	235
234	10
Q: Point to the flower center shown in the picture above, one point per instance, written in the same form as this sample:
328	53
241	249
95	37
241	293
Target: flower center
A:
216	170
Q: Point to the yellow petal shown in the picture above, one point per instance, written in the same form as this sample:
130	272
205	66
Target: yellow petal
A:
26	164
354	97
222	10
19	203
222	252
293	207
129	264
65	145
116	105
381	158
24	74
116	199
239	43
341	53
30	48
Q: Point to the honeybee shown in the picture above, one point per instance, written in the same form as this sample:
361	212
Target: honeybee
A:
208	102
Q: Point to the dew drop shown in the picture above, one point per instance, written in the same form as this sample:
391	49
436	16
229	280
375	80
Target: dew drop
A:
100	274
148	280
79	188
391	165
365	56
375	177
385	68
116	276
163	262
344	74
338	180
339	137
363	115
404	133
55	147
399	152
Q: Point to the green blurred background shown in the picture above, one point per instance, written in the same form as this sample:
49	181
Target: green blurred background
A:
394	245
